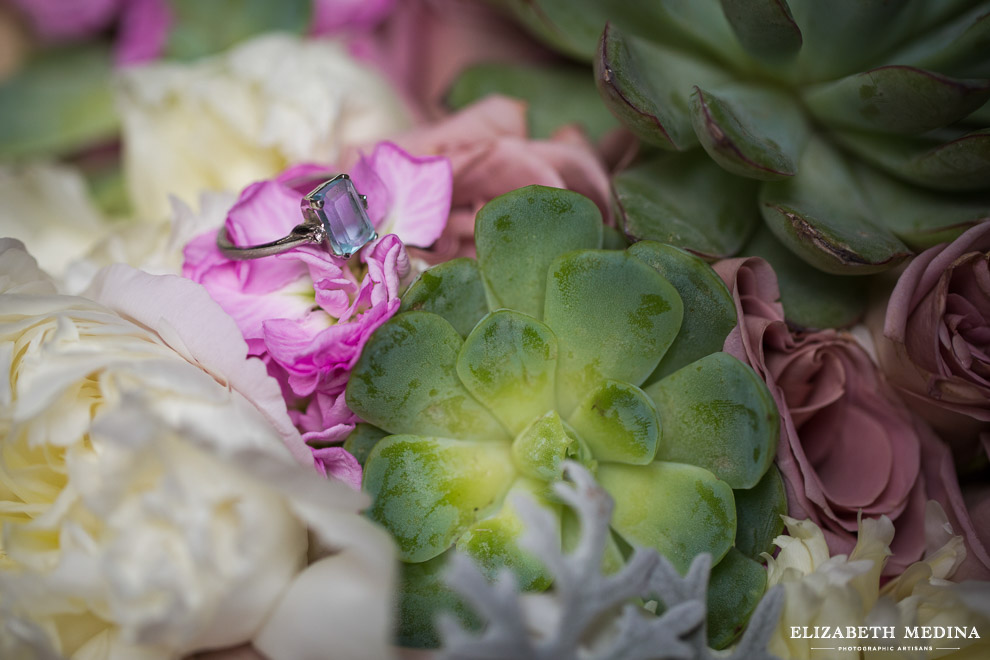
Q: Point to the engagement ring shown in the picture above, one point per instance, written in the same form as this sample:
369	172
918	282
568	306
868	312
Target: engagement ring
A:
335	216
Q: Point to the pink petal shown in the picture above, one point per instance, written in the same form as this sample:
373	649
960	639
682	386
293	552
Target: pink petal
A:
143	31
338	463
332	16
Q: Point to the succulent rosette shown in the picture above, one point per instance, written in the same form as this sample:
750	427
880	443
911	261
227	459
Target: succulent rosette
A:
547	348
857	131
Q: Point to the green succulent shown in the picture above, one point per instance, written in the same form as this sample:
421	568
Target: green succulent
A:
548	348
858	130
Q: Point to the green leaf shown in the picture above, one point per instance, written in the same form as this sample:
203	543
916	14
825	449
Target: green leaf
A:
842	36
494	541
823	218
614	317
765	29
541	448
681	510
753	132
200	28
960	48
648	87
758	512
735	588
811	298
453	290
922	218
709	312
362	440
619	423
406	382
719	415
570	26
688	201
509	364
60	102
896	99
519	233
555	96
427	491
959	164
423	596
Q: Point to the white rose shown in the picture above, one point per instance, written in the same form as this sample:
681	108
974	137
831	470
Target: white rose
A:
155	499
225	121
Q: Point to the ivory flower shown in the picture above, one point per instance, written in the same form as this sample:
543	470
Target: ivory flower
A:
244	115
155	499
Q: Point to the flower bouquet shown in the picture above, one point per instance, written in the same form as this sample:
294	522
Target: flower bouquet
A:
598	329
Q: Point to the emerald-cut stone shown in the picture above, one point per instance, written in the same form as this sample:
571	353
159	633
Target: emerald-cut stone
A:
339	209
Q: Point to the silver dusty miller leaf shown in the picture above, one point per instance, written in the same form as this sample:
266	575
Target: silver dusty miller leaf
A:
587	615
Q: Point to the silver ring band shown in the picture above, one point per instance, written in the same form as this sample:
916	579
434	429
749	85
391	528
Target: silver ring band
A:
335	217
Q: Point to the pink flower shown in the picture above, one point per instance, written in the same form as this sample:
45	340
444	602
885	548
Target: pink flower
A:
490	152
425	44
308	313
334	16
849	446
935	344
142	25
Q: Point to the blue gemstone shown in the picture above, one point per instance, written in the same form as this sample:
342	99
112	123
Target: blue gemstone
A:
339	208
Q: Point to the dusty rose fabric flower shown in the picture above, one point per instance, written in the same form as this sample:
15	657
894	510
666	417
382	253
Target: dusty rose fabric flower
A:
142	24
935	343
307	313
425	44
849	446
490	151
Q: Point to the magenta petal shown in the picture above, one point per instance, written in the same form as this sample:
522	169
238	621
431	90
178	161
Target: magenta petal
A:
338	463
57	19
143	31
332	16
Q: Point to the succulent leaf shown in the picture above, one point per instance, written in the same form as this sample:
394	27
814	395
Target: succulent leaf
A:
509	364
619	423
709	312
688	201
362	440
758	514
428	491
765	29
718	414
514	250
820	215
453	290
648	87
896	99
493	541
421	393
811	298
681	510
198	29
959	164
734	590
752	132
542	447
423	596
614	317
554	96
959	49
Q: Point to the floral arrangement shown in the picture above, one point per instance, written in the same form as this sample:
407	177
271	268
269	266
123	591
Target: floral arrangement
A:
371	329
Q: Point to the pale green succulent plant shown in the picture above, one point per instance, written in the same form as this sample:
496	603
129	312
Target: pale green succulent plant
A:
858	130
550	348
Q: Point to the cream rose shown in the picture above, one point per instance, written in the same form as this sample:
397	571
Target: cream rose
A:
155	499
245	115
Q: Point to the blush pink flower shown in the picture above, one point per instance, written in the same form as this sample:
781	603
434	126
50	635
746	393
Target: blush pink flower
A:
490	153
849	447
308	313
336	16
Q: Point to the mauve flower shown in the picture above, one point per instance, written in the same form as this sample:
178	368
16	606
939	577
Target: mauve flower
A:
306	312
142	25
155	498
935	343
424	44
849	446
336	16
490	151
